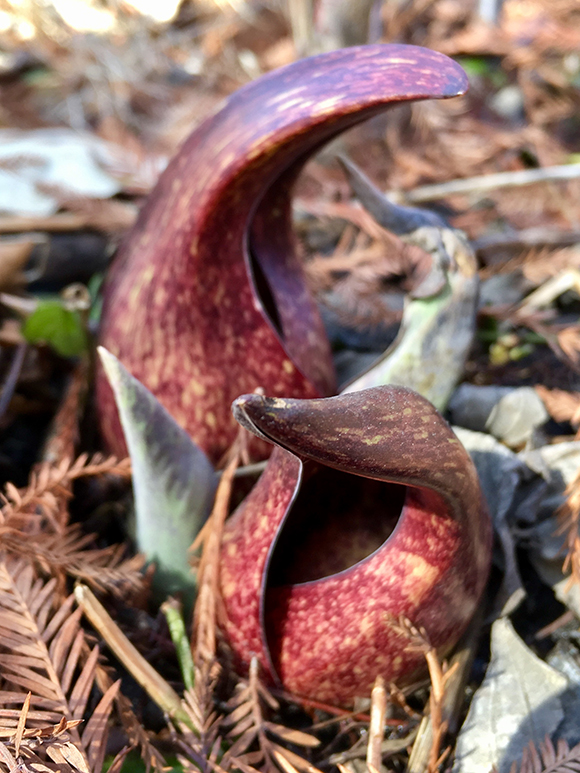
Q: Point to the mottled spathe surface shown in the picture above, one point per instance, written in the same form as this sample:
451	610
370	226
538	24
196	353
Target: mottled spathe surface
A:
327	639
181	311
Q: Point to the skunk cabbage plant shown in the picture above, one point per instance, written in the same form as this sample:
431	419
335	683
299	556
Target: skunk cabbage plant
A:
369	508
206	299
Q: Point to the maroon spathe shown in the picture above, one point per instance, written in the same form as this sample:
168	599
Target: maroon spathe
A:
181	310
328	639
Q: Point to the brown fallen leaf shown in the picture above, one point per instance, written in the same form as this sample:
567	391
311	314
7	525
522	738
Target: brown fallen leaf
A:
561	405
569	341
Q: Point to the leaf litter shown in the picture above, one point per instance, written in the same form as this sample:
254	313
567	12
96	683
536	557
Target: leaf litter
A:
59	697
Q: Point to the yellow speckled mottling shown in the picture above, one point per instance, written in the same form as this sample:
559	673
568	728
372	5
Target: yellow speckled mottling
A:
263	522
210	420
287	366
419	577
143	280
407	411
197	388
153	382
373	441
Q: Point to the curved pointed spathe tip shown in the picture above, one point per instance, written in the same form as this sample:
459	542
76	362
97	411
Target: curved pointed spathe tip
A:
241	414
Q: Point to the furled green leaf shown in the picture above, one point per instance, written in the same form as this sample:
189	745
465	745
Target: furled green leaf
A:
173	481
60	328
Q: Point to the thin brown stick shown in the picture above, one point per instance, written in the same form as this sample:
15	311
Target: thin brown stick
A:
556	624
142	671
439	675
377	725
63	221
307	703
19	734
64	432
489	182
206	606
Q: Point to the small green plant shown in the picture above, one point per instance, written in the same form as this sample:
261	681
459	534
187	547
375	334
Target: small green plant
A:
58	327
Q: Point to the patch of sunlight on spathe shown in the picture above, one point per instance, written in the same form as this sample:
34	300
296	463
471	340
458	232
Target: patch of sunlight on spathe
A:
84	16
160	11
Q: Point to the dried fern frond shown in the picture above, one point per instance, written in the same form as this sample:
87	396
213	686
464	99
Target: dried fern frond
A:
560	404
200	747
439	675
48	486
549	758
41	748
134	730
41	652
105	569
254	740
64	433
247	726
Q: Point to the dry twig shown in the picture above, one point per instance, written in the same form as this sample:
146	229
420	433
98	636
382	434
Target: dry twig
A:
489	182
439	675
569	519
206	610
64	433
152	682
377	724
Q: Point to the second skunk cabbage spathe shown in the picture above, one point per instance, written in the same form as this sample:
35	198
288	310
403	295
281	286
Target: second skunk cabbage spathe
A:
369	508
207	299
